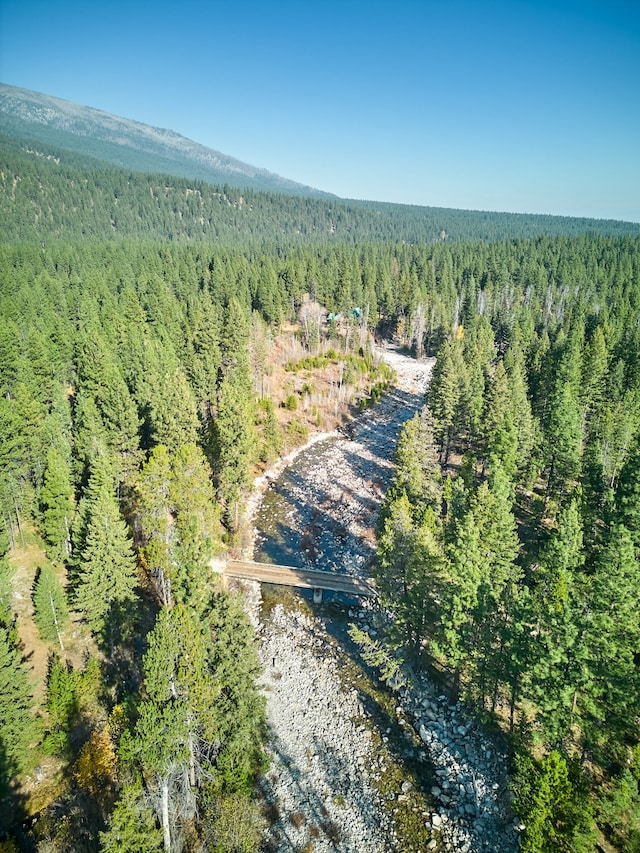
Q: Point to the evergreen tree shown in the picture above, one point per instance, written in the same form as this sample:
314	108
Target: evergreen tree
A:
57	505
551	800
155	506
564	422
181	526
239	705
132	825
90	439
6	589
174	415
409	572
467	567
50	605
492	509
444	396
203	358
18	728
498	534
612	636
418	470
176	731
479	352
521	413
106	576
235	336
619	812
61	704
558	668
235	441
628	494
197	528
595	365
500	438
108	410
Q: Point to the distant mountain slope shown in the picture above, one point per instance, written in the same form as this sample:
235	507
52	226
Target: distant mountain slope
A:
129	144
73	173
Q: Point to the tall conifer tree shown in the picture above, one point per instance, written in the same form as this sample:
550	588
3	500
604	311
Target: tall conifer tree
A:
105	580
57	505
50	604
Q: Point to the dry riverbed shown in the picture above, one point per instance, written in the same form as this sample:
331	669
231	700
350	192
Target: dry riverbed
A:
353	766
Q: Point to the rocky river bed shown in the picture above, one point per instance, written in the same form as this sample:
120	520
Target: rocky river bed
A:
333	748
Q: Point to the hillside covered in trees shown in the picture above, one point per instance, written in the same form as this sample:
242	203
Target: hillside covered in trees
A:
48	193
122	143
134	414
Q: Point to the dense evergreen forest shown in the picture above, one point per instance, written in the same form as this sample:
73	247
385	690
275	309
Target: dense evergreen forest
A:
131	428
50	193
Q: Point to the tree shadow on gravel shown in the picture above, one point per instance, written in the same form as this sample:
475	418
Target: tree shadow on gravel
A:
295	541
379	703
312	806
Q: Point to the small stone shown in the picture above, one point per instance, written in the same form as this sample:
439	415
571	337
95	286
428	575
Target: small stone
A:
406	787
435	791
436	820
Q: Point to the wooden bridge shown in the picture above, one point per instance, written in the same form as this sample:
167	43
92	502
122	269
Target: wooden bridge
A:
291	576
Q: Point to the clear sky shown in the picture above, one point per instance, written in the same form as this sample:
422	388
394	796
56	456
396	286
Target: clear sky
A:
518	105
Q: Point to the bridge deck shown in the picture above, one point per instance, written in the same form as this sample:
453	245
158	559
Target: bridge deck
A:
305	578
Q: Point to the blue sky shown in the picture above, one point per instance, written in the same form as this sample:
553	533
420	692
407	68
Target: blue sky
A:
528	105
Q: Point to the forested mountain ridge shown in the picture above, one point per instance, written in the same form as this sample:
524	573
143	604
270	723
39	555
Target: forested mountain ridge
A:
127	178
129	144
